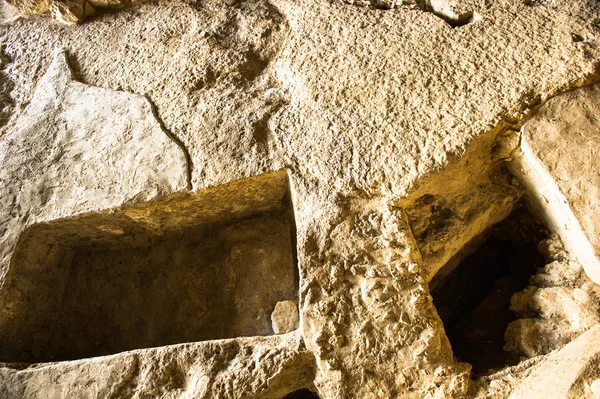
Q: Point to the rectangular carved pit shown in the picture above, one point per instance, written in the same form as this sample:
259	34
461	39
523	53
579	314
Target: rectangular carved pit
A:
186	267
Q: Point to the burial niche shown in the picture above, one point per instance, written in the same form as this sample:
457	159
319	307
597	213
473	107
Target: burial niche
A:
472	292
186	267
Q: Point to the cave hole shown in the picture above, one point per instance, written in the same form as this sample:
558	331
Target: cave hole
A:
181	268
472	292
301	394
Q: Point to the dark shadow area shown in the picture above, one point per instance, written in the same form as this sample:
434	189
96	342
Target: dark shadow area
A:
301	394
183	268
473	299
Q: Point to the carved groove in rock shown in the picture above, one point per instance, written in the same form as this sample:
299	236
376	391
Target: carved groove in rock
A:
186	267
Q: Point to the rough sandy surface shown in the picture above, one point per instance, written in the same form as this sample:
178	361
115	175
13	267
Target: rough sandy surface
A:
362	103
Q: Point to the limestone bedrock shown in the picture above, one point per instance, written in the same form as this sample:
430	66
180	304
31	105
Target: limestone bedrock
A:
285	317
108	145
559	151
358	103
258	367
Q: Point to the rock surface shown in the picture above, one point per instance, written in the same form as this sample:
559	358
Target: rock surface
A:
250	368
560	305
108	144
569	373
563	135
285	317
395	123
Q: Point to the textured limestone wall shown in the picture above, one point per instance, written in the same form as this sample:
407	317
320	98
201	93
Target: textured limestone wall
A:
352	152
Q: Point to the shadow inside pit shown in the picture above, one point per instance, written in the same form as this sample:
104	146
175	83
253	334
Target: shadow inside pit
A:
473	299
301	394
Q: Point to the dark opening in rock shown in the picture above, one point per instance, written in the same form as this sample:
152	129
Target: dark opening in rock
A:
186	267
472	293
301	394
